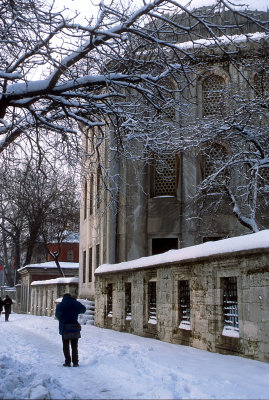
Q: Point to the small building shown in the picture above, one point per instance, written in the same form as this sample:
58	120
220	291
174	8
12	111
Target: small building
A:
213	296
69	248
38	272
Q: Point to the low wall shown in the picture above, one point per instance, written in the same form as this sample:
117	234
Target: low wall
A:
125	301
45	293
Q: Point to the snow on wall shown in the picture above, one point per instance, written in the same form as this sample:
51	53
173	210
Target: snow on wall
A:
55	281
230	245
52	264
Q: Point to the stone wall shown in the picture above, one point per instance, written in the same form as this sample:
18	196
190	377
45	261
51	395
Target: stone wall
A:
206	277
45	293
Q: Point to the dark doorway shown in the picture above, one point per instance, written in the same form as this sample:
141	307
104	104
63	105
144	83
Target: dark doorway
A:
161	245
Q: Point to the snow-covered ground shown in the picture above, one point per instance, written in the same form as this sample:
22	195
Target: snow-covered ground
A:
116	365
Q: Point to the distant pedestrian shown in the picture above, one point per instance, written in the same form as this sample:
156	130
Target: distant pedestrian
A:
1	305
7	304
67	313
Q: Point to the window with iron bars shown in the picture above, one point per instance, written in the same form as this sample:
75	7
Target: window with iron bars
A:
230	304
165	176
109	305
152	313
213	95
184	304
128	300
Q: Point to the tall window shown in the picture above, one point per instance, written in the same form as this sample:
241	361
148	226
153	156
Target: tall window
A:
184	304
84	266
164	176
230	306
109	305
213	95
90	265
98	186
91	195
261	85
152	313
85	199
128	300
97	256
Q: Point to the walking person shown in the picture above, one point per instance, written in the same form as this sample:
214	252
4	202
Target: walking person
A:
1	305
67	313
7	304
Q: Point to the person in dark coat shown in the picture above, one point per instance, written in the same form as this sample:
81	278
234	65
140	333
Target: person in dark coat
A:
67	312
1	305
7	304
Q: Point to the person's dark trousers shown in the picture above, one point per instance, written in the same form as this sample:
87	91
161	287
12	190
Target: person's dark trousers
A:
66	350
6	316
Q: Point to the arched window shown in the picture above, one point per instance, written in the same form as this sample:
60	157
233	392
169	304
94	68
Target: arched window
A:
213	91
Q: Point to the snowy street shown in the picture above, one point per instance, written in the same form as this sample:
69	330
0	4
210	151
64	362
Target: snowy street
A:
116	365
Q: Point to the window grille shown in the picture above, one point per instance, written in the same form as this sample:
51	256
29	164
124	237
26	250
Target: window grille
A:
230	303
109	300
165	176
215	153
84	267
90	265
213	159
263	177
213	95
261	83
152	303
128	300
184	302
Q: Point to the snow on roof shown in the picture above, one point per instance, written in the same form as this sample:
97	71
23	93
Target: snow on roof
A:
257	36
231	245
55	281
51	264
69	237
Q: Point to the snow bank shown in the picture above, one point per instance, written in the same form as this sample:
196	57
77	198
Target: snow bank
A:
117	365
231	245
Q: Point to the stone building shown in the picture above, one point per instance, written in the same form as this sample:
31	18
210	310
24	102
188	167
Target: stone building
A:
152	210
38	272
213	296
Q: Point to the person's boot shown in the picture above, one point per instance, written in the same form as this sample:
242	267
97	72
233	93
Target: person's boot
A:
66	364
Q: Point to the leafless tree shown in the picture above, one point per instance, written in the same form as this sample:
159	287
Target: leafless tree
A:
39	202
85	71
233	153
